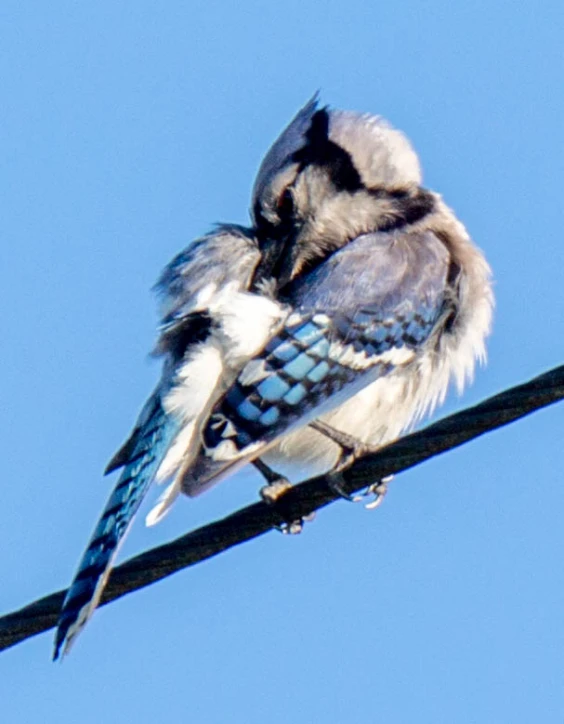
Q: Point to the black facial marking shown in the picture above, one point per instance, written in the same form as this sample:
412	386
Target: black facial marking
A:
260	221
320	151
408	208
398	193
286	204
453	280
271	262
266	230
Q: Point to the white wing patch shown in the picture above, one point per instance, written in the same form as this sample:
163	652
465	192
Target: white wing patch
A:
243	323
253	372
344	354
197	379
246	323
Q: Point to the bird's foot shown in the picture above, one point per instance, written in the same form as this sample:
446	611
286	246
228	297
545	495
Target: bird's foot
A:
351	450
378	490
277	486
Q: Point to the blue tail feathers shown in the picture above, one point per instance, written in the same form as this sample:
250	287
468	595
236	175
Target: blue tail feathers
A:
138	474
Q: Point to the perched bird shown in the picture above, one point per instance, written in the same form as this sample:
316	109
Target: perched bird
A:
340	315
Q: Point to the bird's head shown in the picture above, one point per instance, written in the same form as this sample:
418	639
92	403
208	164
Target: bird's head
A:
329	177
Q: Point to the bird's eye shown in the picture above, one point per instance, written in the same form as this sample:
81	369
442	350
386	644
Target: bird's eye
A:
285	206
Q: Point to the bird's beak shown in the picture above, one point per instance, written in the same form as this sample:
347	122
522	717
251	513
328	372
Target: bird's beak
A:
277	259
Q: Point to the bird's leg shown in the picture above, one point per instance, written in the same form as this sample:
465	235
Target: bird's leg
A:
351	449
270	475
276	486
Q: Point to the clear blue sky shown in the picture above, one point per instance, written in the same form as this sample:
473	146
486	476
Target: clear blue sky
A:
128	128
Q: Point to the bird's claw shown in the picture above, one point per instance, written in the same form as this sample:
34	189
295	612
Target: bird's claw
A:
378	490
335	485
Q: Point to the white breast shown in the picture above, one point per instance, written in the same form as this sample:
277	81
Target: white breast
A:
376	415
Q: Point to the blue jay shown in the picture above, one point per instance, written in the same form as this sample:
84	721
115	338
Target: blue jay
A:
341	314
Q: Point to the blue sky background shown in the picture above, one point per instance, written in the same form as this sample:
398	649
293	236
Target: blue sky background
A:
126	129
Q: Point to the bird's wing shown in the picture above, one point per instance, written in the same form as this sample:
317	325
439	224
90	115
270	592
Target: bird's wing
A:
191	372
186	290
368	309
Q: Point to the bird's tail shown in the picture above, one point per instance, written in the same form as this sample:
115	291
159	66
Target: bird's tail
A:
144	458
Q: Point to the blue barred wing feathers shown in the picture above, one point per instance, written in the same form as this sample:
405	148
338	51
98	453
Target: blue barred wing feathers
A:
352	322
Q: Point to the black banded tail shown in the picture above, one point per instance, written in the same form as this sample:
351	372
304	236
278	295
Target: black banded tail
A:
143	462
